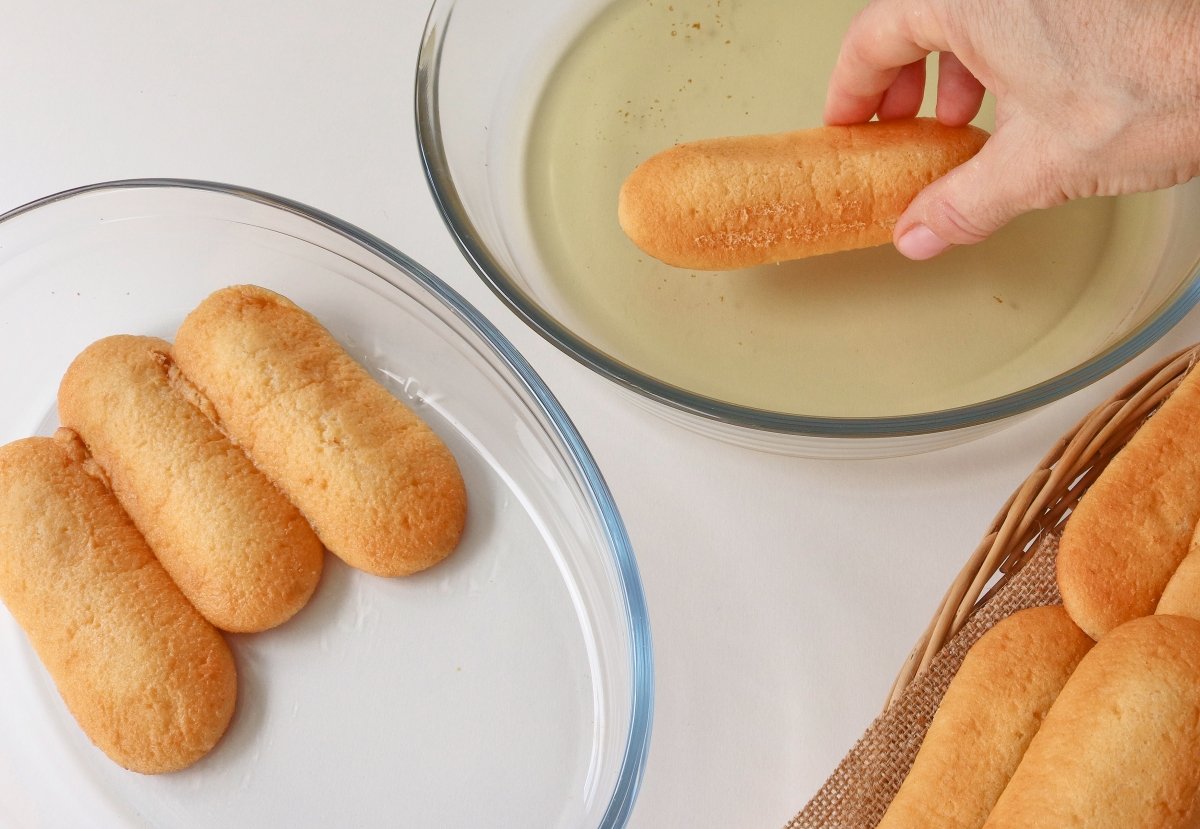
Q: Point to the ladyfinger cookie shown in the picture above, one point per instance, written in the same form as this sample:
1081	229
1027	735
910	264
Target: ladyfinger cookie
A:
1120	747
381	489
237	548
989	714
1181	596
727	203
148	679
1133	526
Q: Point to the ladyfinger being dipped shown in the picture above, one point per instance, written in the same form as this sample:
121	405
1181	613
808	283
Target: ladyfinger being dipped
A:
1132	528
989	714
1120	747
147	678
727	203
237	548
380	488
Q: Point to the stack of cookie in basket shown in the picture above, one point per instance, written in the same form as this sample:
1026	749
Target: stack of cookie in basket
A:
194	487
1087	714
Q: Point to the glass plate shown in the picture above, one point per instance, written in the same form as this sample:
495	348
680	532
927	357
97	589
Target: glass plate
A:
508	686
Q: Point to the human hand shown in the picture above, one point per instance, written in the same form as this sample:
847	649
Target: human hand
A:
1093	97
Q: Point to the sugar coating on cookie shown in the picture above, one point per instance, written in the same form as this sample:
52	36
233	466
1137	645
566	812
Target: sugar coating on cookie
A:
726	203
147	678
238	549
381	489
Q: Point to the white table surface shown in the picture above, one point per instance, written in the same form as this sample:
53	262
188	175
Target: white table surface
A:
784	593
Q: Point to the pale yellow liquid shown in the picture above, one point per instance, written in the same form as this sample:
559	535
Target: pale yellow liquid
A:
864	333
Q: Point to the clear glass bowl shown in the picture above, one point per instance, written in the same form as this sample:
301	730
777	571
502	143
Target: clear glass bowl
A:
481	76
510	685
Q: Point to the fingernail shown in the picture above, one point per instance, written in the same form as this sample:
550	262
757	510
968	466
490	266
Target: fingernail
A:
919	242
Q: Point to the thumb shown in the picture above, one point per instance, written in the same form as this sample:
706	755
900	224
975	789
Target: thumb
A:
972	201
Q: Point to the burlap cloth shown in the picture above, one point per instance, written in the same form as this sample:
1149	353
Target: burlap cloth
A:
858	792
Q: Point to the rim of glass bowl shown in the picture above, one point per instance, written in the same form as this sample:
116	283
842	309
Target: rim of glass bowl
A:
445	194
633	761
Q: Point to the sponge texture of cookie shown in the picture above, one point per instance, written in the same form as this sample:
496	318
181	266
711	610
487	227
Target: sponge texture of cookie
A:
148	679
989	715
237	548
1120	748
726	203
1133	527
382	491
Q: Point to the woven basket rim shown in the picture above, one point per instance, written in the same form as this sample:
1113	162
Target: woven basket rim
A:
1043	501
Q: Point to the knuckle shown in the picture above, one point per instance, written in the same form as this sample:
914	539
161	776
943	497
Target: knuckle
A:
959	227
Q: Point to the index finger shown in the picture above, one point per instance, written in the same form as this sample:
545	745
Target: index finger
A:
885	36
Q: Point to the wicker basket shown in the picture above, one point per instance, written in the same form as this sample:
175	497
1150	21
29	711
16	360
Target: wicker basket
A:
1013	567
1043	502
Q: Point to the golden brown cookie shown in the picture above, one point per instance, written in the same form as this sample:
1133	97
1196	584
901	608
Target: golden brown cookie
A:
237	548
990	712
1133	526
380	488
1120	748
1181	596
727	203
148	679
